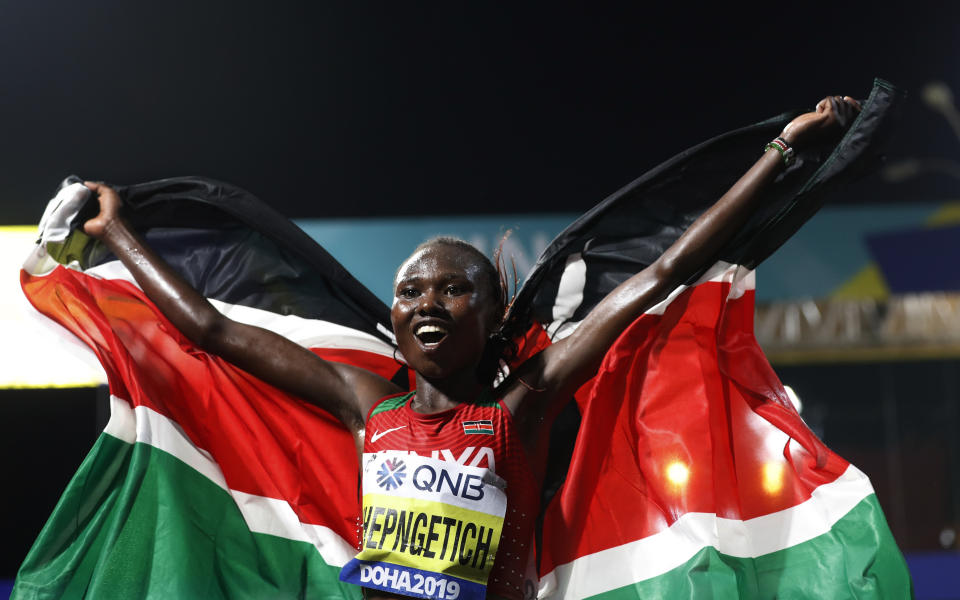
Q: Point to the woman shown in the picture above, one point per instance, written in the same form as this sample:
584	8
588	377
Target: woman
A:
449	304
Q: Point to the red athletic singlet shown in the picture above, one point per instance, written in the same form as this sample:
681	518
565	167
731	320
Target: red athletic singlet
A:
479	434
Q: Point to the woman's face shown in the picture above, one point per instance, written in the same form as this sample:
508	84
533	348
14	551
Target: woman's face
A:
442	311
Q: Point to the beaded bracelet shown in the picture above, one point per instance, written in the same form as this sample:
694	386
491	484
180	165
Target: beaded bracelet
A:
785	150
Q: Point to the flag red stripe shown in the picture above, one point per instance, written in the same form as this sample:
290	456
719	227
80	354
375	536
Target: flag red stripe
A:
688	388
276	446
265	442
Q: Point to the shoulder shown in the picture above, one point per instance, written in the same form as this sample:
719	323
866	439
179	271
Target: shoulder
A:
367	388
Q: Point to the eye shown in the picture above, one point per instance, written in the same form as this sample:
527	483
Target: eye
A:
453	290
408	293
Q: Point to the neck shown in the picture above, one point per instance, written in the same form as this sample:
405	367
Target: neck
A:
434	395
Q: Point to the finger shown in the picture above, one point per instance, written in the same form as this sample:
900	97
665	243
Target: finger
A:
94	186
108	198
101	189
843	111
852	101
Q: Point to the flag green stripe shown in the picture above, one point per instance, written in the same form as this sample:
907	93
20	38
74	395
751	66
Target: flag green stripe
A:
858	558
136	522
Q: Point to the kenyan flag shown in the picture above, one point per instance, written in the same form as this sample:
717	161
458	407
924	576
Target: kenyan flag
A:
691	475
207	482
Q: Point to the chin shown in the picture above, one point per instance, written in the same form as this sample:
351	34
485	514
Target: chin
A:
432	370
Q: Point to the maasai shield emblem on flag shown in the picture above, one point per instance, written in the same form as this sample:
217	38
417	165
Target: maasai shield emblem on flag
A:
692	476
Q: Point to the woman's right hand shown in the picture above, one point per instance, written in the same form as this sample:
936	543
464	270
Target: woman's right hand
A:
109	209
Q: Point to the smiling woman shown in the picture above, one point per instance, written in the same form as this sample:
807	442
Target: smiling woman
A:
448	302
461	439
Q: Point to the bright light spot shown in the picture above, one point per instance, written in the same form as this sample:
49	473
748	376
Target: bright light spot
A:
948	537
773	477
794	398
937	95
678	473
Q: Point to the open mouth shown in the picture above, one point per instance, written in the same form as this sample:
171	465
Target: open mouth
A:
430	335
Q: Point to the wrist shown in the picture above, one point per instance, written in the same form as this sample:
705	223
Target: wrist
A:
114	228
782	148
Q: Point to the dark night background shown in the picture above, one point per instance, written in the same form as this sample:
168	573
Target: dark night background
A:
361	109
355	109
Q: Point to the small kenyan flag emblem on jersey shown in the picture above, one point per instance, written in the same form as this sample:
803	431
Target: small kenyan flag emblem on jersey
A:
475	427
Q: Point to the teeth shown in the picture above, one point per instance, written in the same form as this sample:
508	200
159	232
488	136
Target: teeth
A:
430	329
430	335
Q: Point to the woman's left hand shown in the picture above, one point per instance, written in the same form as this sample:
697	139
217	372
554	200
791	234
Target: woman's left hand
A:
831	117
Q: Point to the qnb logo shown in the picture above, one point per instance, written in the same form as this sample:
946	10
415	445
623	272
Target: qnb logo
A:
429	479
391	473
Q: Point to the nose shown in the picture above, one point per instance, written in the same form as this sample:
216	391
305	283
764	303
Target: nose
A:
431	302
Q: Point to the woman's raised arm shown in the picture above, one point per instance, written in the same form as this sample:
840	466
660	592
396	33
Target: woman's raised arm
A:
345	391
567	364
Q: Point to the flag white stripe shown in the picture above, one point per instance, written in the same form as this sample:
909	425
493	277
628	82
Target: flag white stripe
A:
586	576
657	554
573	280
740	278
270	516
311	333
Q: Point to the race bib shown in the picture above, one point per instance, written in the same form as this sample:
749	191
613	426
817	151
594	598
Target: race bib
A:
431	528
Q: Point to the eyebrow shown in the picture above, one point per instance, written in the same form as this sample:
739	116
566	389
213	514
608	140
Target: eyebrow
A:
444	277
